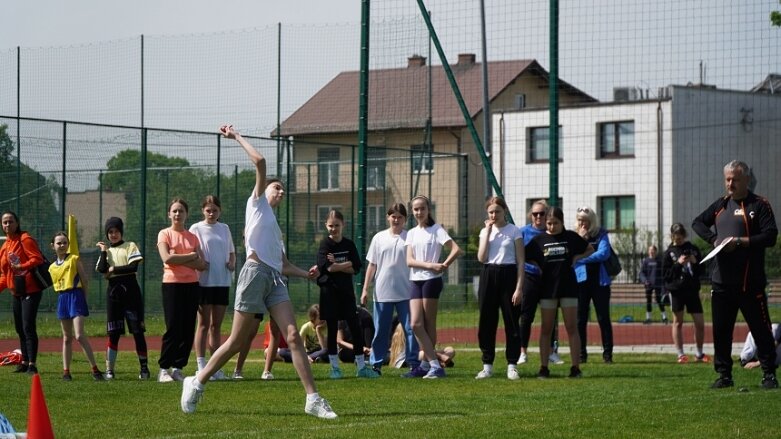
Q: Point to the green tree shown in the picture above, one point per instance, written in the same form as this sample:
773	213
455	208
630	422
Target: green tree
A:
775	18
6	148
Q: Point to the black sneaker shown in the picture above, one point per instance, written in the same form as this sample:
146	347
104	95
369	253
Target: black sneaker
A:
723	382
769	381
583	358
67	377
544	373
647	322
144	373
608	359
377	369
20	368
574	372
98	376
32	370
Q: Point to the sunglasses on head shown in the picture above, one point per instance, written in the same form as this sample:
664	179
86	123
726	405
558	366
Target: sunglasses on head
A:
584	210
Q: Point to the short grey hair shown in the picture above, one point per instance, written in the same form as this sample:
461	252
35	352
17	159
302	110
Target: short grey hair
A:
737	165
744	170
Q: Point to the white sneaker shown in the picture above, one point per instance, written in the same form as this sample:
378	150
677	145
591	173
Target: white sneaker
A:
555	359
164	376
512	374
319	408
523	358
191	395
218	376
268	376
237	375
483	374
177	375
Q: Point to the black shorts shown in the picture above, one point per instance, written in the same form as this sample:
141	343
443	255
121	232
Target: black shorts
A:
214	296
426	289
124	304
690	300
337	305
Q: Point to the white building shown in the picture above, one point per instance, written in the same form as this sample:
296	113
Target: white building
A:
643	162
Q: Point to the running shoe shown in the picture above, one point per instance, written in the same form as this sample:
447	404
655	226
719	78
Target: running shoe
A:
191	395
335	374
319	408
483	374
723	382
415	372
434	373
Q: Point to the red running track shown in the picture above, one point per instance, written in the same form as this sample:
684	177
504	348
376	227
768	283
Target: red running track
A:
624	334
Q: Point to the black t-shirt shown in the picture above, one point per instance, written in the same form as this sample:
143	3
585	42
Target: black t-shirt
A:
343	250
554	253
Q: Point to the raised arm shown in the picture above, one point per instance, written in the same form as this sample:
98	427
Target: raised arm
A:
257	158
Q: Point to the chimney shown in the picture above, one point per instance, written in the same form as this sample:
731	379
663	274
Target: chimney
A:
416	61
466	59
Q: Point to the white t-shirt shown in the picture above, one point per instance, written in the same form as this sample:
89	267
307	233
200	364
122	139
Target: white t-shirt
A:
426	246
388	253
262	233
501	244
216	245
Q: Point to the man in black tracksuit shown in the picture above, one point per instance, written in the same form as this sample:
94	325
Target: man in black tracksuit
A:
738	274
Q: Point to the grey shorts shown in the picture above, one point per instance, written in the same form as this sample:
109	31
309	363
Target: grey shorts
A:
564	302
259	288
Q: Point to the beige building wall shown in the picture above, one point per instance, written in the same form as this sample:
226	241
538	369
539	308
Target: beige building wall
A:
86	207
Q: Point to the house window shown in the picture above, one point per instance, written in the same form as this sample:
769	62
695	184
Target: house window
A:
519	101
422	161
375	217
328	169
375	171
617	213
616	139
538	150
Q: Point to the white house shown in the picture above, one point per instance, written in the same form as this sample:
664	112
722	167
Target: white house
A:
646	162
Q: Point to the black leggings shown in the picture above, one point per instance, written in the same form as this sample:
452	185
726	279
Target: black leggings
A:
650	293
25	316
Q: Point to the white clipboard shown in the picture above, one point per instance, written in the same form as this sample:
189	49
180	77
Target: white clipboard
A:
716	250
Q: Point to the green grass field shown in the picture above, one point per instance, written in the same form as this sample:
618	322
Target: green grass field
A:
638	396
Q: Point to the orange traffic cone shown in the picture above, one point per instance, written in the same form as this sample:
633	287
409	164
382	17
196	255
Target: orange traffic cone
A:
39	426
